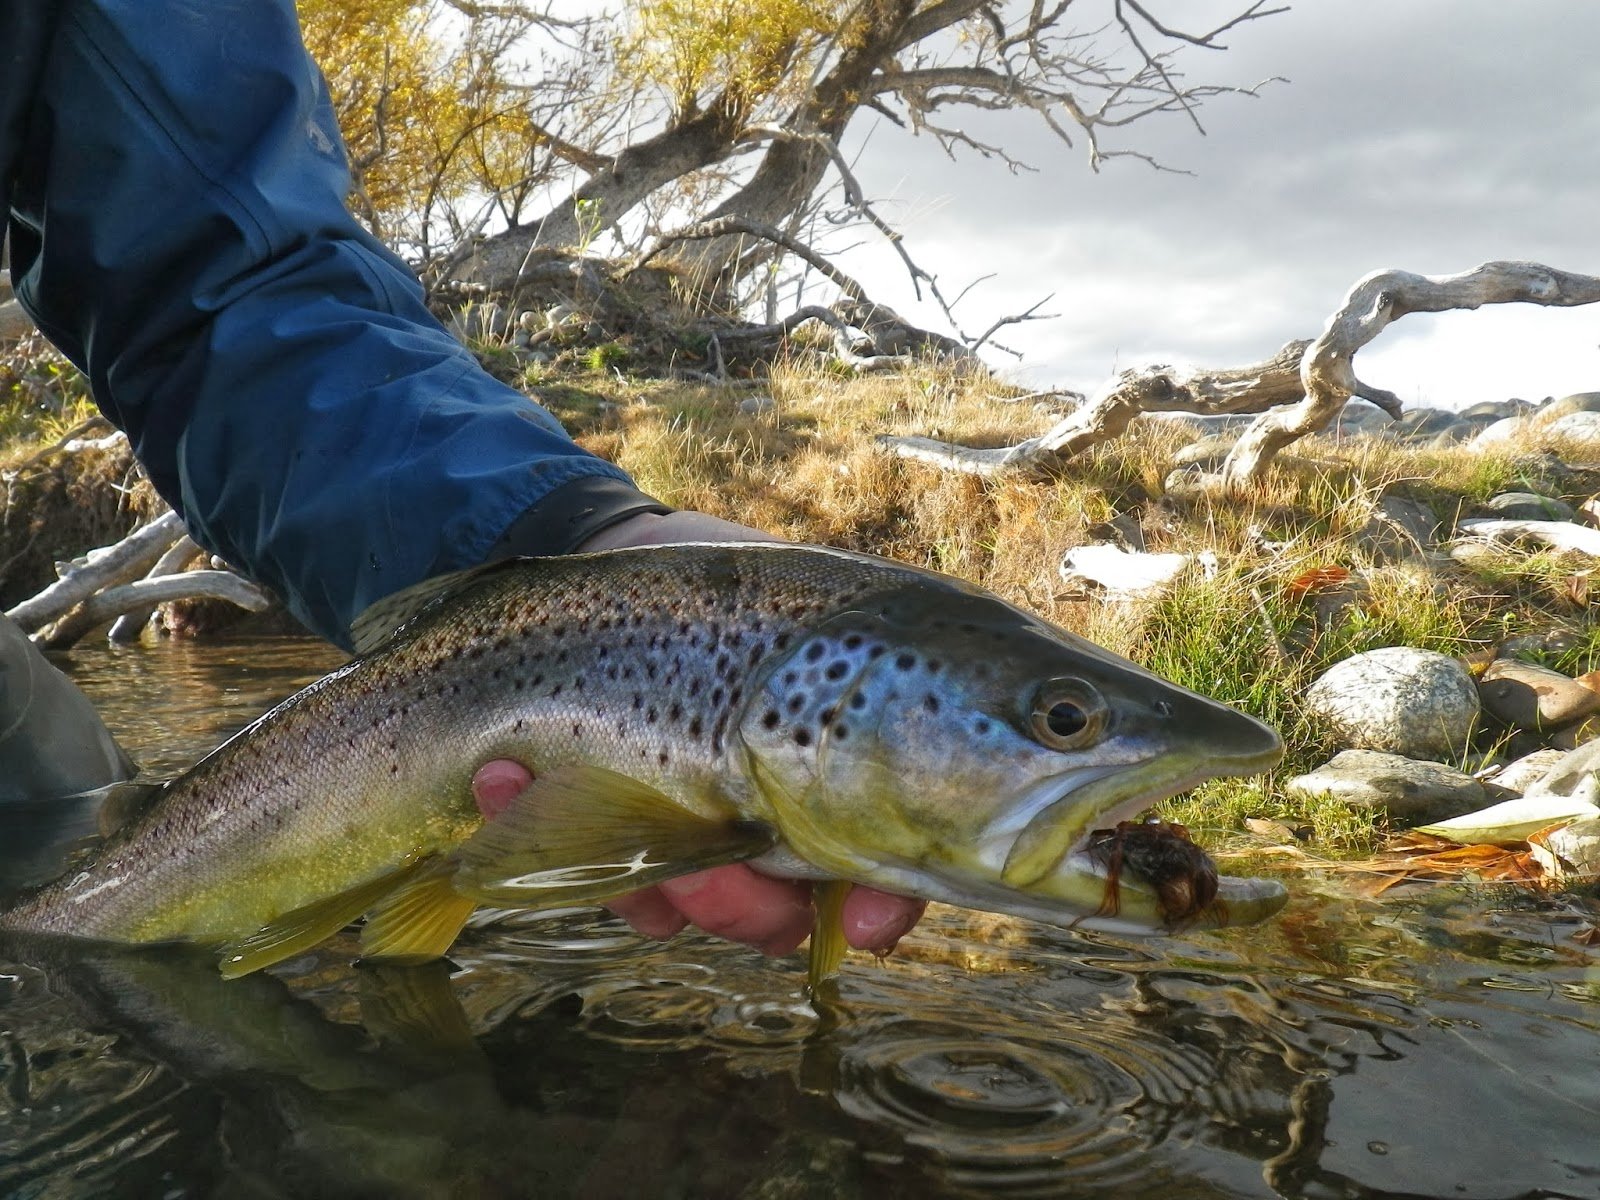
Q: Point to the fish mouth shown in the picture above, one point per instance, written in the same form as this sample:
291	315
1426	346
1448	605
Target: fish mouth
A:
1053	851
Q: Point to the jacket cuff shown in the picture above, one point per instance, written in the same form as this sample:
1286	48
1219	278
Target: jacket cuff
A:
572	514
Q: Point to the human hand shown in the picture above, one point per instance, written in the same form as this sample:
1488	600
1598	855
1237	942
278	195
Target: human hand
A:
735	902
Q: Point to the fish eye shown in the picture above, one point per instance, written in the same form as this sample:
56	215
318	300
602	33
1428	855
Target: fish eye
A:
1067	714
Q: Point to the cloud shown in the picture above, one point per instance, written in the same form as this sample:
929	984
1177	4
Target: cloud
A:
1430	135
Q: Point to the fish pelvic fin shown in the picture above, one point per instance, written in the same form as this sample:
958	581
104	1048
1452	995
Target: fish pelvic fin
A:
578	835
414	1008
417	921
306	926
828	946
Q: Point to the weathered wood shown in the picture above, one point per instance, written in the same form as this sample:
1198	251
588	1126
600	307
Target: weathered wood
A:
142	593
102	568
1374	302
1109	411
130	624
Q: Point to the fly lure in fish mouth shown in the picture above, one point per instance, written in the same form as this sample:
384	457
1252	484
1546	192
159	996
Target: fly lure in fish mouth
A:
1162	854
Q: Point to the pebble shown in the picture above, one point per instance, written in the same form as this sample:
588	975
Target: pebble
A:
1524	696
1409	791
1418	703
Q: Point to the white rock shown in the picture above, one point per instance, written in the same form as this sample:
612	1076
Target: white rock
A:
1563	535
1504	430
1415	703
1580	426
1121	574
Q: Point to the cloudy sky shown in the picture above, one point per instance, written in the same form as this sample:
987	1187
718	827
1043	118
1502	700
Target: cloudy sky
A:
1428	135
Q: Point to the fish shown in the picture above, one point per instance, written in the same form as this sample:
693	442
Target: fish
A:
817	713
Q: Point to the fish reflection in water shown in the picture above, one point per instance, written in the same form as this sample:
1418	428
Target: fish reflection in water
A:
569	1057
1351	1050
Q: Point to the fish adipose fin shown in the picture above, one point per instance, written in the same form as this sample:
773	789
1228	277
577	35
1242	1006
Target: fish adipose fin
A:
418	921
304	927
577	835
827	935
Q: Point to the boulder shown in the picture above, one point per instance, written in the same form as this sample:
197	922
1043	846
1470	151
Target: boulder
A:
1418	703
1529	506
1505	430
1408	791
1588	402
1524	696
1579	426
1399	528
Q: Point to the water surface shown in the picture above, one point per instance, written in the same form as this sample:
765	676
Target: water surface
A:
1435	1044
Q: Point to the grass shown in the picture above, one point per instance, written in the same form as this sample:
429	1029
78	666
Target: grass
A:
809	468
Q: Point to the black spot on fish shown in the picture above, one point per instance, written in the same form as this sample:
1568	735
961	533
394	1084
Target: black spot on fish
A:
814	652
981	726
796	703
802	737
769	719
838	670
904	662
695	727
853	641
840	732
858	701
931	703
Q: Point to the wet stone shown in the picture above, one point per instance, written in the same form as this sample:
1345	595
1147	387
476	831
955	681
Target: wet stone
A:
1400	700
1524	696
1409	791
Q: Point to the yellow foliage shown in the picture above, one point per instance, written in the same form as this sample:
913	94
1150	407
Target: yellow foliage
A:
424	124
744	49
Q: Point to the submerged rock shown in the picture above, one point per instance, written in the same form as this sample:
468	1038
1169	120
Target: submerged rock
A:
1417	703
1408	790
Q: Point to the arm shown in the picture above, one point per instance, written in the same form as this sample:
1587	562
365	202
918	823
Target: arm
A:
179	230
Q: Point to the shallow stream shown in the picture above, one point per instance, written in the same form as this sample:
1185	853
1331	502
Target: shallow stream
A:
1436	1043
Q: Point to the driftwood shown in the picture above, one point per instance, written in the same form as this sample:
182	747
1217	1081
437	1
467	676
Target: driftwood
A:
131	623
145	594
1296	392
105	584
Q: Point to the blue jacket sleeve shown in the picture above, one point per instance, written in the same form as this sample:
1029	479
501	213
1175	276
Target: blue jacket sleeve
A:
178	228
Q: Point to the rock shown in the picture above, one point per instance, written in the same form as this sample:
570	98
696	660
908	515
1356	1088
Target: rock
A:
1404	701
1492	410
1585	402
1120	574
1360	416
1589	511
1399	528
1526	771
1529	506
1407	790
754	406
1505	430
1208	452
1524	696
1579	426
1573	737
1425	422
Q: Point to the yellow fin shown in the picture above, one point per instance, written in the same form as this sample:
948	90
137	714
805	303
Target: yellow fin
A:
414	1007
417	921
827	935
576	835
309	924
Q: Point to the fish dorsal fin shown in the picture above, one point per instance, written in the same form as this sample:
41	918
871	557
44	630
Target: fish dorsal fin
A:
577	835
827	934
417	921
377	623
123	803
304	927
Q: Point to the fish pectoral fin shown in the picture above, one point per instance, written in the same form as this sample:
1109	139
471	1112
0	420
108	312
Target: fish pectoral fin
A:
828	946
303	927
418	920
576	835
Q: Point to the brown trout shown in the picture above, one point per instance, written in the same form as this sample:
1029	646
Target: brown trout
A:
817	713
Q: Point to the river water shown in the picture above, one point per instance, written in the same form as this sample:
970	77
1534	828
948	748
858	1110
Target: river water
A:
1436	1043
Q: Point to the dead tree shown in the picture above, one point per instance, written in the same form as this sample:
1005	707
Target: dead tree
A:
1298	391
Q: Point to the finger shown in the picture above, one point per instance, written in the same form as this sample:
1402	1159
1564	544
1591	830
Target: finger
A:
773	915
875	920
649	912
496	784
